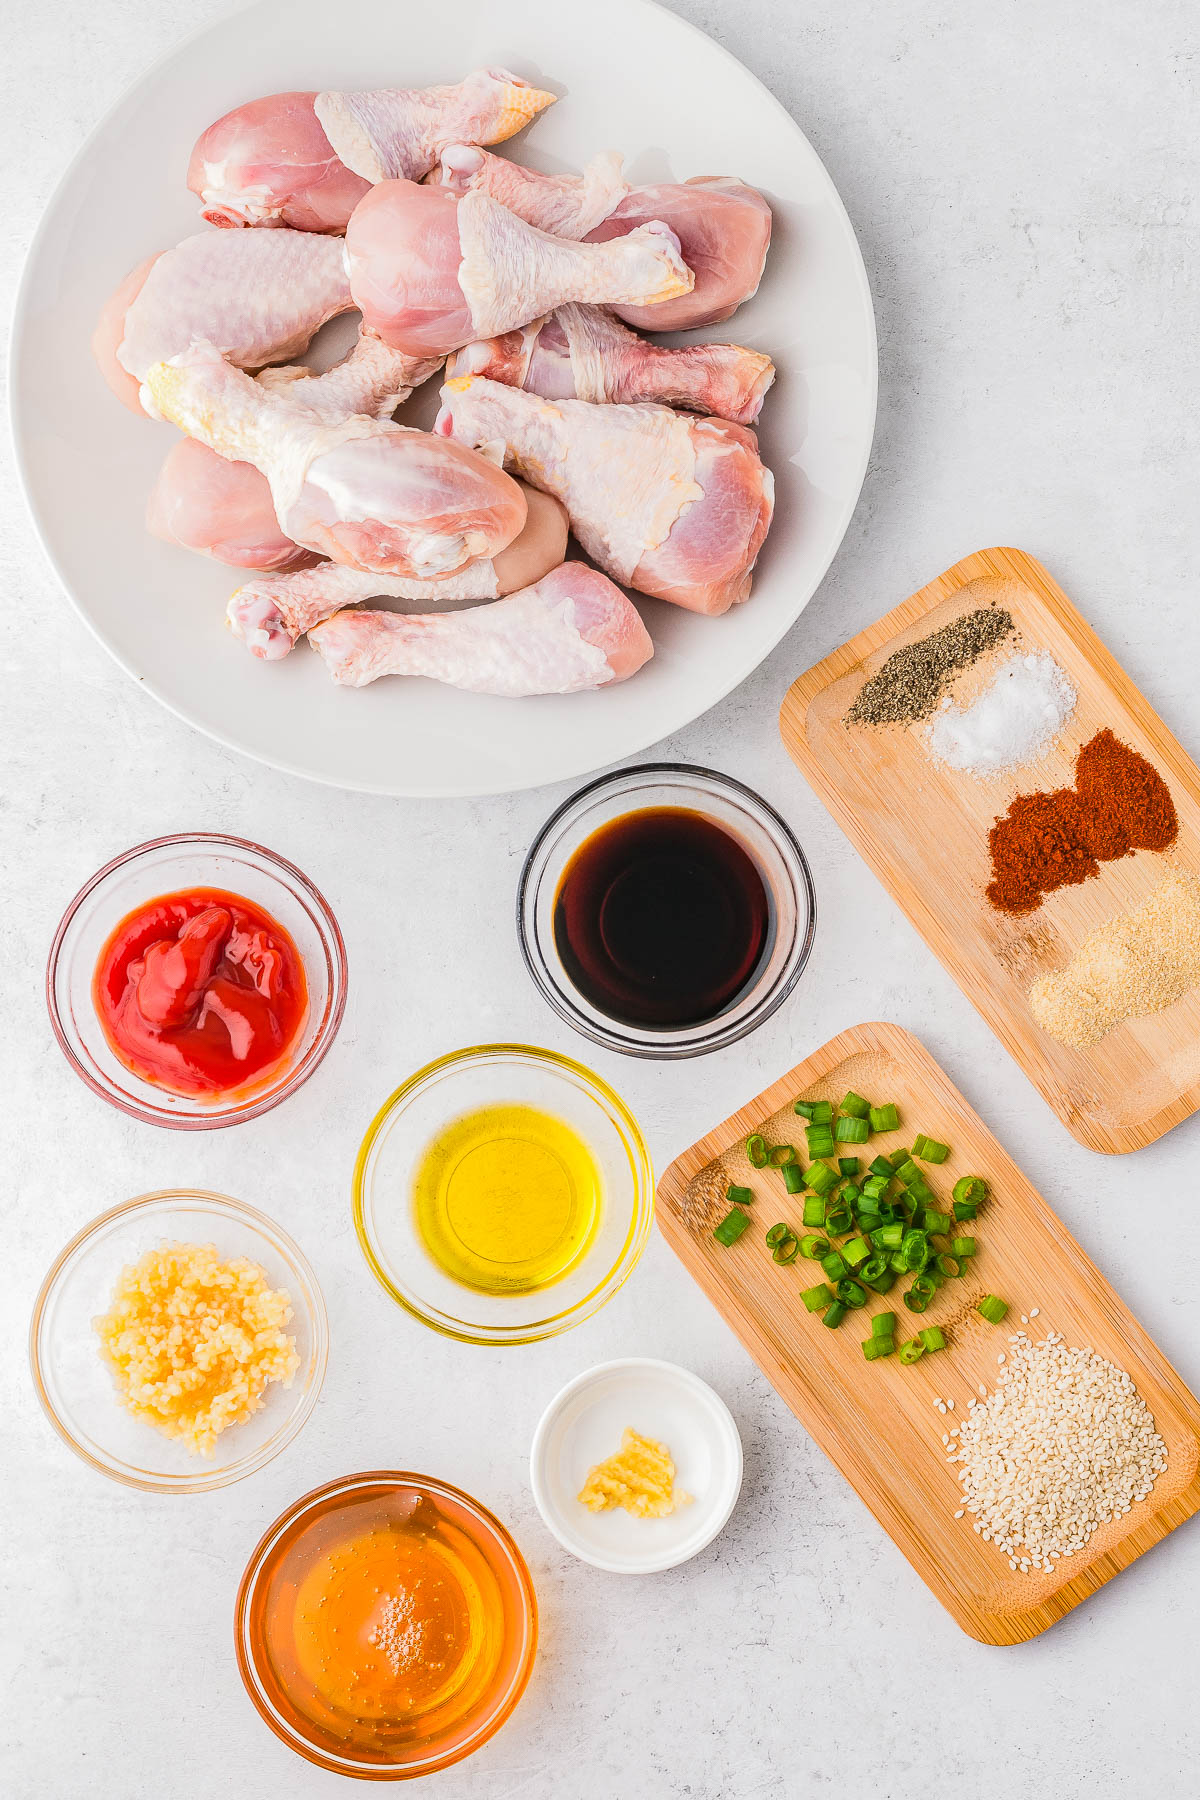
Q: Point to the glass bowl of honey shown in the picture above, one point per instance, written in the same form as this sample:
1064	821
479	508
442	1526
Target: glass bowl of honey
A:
386	1626
665	911
503	1194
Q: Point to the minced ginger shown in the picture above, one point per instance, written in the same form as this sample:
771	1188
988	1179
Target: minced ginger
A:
195	1342
640	1477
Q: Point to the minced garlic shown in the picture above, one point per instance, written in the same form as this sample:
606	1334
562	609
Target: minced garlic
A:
195	1342
640	1477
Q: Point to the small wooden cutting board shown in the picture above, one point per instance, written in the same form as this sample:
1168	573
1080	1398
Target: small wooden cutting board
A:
924	830
877	1420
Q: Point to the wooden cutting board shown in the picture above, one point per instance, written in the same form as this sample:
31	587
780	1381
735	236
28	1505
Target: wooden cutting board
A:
924	829
877	1421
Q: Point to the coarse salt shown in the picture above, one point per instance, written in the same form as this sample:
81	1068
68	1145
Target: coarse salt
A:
1014	720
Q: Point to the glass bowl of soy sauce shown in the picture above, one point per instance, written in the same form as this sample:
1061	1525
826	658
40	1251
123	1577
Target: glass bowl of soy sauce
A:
665	911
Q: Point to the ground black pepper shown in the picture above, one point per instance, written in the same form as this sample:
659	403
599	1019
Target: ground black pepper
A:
913	680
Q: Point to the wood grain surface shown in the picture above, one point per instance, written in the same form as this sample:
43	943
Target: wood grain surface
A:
877	1421
923	828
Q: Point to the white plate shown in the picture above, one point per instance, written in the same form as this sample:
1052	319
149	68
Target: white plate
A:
636	79
584	1424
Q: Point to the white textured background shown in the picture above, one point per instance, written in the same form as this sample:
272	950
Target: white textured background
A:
1023	177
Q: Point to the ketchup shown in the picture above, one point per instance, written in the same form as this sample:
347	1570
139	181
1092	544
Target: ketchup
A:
201	993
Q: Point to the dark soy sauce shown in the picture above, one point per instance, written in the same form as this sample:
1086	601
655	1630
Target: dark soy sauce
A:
661	918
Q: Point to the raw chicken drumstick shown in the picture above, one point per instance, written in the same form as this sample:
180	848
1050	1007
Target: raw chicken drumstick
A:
224	509
671	505
258	296
306	160
584	353
362	491
723	226
432	272
270	614
570	631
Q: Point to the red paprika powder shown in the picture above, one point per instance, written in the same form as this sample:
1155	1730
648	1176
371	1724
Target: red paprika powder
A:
1059	838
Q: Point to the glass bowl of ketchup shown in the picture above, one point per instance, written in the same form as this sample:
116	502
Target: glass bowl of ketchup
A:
196	981
665	911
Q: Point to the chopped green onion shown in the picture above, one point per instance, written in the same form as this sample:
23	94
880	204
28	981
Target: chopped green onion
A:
884	1118
879	1284
814	1210
834	1266
971	1187
925	1284
850	1195
856	1251
839	1221
820	1140
908	1172
780	1155
881	1166
876	1186
732	1226
896	1261
777	1234
962	1247
816	1298
739	1196
914	1248
948	1265
875	1267
851	1293
868	1223
875	1347
965	1209
822	1112
793	1178
912	1351
890	1236
850	1130
835	1314
815	1248
883	1325
822	1179
847	1165
786	1252
932	1337
915	1302
856	1106
805	1108
932	1151
993	1309
756	1150
936	1224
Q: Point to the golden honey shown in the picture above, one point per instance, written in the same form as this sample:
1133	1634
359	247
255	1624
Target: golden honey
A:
507	1199
385	1623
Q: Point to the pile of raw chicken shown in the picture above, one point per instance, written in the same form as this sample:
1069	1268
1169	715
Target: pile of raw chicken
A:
530	290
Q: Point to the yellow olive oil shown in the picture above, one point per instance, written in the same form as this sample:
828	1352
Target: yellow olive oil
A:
507	1199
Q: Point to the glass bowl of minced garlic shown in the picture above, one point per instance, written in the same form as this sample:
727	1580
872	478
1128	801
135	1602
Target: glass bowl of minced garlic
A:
636	1465
179	1341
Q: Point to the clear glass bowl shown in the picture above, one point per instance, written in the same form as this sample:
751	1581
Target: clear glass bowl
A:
76	1387
393	1762
739	811
409	1121
164	866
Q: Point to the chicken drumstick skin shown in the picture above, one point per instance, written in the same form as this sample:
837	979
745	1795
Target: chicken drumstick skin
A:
432	272
305	160
570	631
271	613
669	504
362	491
585	353
258	296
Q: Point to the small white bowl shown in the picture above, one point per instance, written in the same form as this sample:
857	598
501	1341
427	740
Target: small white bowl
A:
584	1425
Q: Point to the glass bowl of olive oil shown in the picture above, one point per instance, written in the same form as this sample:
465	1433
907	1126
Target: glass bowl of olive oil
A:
503	1194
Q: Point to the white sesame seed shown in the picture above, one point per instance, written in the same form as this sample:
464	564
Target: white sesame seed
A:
1034	1311
950	1404
1024	1320
1001	1358
959	1513
1064	1444
982	1389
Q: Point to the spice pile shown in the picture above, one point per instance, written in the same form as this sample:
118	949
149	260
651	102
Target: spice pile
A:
911	682
1138	963
1063	1444
1059	838
1013	722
